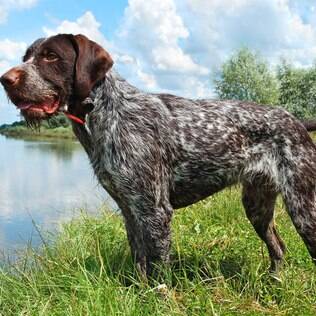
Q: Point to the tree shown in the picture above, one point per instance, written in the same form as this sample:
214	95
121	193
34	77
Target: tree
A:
298	89
59	120
245	76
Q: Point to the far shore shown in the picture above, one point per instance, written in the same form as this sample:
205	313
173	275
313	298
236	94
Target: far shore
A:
42	133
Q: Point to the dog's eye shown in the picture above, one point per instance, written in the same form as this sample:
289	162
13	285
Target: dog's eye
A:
50	56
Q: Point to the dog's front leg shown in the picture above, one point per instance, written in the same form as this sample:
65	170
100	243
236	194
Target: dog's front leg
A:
149	235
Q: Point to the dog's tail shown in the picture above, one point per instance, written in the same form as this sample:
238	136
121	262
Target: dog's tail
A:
310	125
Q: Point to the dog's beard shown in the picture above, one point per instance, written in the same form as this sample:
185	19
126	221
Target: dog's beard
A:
32	121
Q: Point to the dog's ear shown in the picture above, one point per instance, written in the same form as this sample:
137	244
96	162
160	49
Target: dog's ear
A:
91	65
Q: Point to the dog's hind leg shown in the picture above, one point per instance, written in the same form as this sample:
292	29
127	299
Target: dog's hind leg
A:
300	201
297	176
259	199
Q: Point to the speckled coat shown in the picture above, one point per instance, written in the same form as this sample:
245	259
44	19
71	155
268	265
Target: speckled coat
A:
156	152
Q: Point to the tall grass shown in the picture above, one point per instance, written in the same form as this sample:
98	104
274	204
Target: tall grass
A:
219	267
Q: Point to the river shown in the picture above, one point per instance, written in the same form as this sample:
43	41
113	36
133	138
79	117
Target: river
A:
43	183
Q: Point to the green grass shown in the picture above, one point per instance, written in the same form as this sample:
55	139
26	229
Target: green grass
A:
219	267
43	133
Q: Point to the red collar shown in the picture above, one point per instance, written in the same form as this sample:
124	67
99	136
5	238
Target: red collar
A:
74	118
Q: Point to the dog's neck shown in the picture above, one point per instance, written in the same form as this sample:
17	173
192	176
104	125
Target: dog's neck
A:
109	92
113	92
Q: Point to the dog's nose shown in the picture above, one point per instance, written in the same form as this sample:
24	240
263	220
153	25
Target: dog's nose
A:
11	77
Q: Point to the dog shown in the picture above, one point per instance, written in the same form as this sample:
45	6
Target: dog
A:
154	153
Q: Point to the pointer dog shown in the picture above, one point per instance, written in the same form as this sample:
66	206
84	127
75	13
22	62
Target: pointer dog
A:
155	153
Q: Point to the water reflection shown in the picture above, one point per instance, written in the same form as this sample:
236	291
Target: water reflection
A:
45	182
62	149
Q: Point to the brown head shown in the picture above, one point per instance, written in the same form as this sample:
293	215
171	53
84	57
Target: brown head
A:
59	70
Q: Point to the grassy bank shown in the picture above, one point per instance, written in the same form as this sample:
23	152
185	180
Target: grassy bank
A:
24	132
219	268
57	127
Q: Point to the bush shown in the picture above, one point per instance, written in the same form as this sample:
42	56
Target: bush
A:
298	89
245	76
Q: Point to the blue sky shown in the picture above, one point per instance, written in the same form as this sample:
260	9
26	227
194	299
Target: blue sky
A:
25	24
175	46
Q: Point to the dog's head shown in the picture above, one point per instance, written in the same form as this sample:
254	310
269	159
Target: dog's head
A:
59	70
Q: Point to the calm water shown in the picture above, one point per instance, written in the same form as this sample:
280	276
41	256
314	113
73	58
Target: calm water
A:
44	182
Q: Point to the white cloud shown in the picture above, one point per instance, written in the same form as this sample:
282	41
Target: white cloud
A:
152	32
4	66
271	27
126	59
7	5
159	21
11	50
148	80
173	59
19	4
3	15
86	25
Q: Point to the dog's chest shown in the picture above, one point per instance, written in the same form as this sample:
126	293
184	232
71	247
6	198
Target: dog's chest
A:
98	147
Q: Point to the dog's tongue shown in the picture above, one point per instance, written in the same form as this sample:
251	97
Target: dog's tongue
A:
48	108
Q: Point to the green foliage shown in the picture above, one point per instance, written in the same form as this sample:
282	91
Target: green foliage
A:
54	122
219	267
298	89
57	127
13	125
44	133
245	76
59	120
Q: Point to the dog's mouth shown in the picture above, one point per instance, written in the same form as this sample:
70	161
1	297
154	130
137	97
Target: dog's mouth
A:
46	108
34	112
